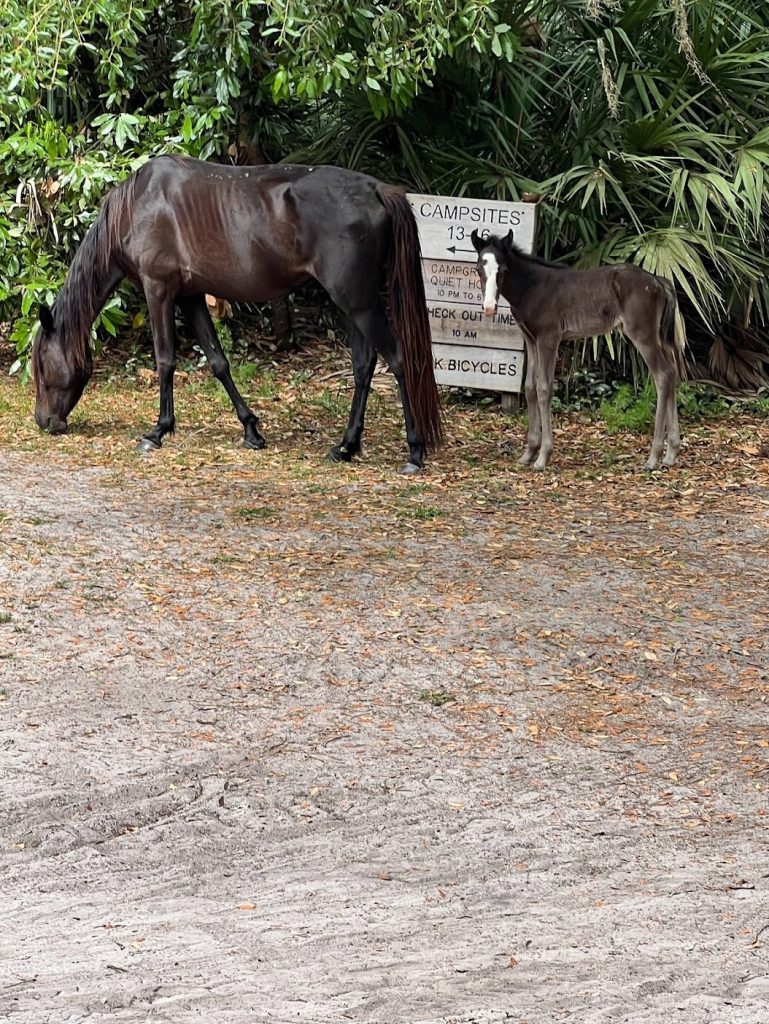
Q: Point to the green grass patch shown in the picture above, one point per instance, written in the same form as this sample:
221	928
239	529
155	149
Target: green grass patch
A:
411	489
628	410
255	513
633	411
420	512
334	402
701	402
437	697
299	378
246	374
262	383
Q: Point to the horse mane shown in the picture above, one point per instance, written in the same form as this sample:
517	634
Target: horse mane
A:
511	247
75	309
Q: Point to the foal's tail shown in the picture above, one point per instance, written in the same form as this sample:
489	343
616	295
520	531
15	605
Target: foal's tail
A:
408	312
670	331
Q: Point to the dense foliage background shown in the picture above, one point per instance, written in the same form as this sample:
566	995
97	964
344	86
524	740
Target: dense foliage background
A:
642	124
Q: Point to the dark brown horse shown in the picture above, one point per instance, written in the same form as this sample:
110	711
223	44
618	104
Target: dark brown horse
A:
180	228
553	303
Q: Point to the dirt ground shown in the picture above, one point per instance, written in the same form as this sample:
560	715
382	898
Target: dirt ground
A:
284	741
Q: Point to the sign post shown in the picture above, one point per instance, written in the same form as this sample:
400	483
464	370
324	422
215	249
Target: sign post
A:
469	348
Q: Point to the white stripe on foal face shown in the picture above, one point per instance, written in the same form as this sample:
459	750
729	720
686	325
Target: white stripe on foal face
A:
491	292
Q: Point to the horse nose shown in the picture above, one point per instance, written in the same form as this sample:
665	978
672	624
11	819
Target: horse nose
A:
53	424
489	309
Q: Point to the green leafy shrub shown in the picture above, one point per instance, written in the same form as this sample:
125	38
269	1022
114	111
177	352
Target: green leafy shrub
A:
642	126
628	409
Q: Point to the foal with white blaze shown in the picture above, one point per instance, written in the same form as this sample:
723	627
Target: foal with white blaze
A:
553	303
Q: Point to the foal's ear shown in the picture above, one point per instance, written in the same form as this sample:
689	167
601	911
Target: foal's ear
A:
46	320
477	241
507	241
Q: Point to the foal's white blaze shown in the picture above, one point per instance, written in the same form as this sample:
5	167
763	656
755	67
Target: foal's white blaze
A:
490	295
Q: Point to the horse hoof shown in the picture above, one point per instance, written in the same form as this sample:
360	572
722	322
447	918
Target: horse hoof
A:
525	459
651	465
254	443
411	469
339	454
146	446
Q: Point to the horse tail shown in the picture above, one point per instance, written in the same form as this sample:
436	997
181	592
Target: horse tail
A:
408	315
671	335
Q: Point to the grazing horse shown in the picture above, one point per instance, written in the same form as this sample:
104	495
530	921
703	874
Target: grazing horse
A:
180	228
552	303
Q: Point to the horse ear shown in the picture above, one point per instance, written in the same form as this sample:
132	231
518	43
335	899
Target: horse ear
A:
477	242
508	240
46	319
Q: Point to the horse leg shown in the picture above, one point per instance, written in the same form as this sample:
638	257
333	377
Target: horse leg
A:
547	354
363	365
534	436
674	431
161	311
665	377
373	325
196	311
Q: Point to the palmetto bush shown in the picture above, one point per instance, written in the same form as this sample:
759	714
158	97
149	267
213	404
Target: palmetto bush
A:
641	124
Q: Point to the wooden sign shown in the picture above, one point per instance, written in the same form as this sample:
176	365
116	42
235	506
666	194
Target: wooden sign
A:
469	348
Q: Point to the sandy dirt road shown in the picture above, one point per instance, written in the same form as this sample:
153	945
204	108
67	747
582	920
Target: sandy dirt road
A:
331	746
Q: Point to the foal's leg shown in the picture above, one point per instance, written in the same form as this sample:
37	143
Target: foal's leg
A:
665	374
196	311
547	353
363	365
161	310
534	435
674	432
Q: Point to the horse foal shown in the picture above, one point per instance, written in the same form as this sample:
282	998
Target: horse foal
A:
553	303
